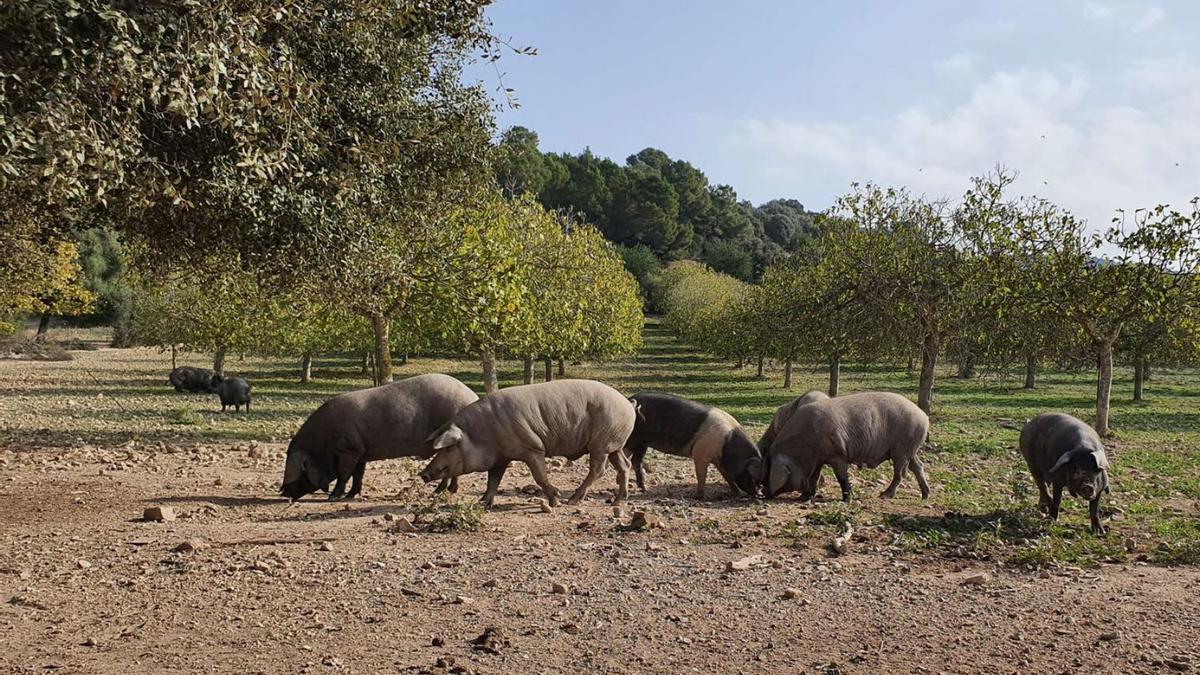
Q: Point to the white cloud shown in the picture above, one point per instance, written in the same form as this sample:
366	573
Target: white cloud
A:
1153	17
1088	154
958	65
1098	11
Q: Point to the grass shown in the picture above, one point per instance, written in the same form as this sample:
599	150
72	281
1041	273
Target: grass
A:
983	503
442	513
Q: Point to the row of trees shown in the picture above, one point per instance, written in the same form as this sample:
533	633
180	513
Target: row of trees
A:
514	280
666	206
991	280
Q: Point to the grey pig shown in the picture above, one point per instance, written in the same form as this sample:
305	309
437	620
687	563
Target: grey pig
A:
349	430
566	418
1063	450
708	435
784	413
233	391
862	429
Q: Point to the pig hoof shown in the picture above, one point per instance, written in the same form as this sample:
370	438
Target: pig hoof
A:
886	495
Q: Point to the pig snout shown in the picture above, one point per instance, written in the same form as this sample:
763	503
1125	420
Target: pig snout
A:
430	474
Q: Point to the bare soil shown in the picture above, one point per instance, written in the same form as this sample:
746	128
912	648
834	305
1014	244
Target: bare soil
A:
87	586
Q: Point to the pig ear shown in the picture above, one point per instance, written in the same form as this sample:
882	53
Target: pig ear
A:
637	409
1063	460
780	475
451	436
755	468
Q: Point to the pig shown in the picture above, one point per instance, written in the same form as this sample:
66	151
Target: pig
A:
233	391
708	435
1062	450
783	414
862	429
349	430
195	380
565	418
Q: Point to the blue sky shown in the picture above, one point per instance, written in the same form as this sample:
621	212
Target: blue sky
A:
1095	103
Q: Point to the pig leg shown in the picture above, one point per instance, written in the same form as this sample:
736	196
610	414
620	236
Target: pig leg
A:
1056	501
701	477
442	486
493	485
1094	512
639	453
621	463
841	469
339	489
537	467
357	480
1043	496
918	471
453	487
899	466
595	468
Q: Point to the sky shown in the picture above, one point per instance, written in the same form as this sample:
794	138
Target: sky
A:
1094	103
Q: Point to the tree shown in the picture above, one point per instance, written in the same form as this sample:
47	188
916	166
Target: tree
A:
271	131
40	276
520	166
1131	273
909	269
641	262
103	260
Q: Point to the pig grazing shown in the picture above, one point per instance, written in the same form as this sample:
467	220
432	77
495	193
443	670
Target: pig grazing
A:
1062	450
567	418
783	414
861	429
708	435
233	391
384	422
195	380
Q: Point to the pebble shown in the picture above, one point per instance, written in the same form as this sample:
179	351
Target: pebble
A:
571	628
544	505
978	579
743	563
325	546
189	545
83	564
159	514
791	593
558	588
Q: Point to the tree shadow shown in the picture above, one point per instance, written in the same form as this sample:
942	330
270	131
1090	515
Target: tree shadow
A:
225	501
1007	525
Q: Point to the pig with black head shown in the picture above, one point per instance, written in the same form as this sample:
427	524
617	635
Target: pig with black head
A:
565	418
233	391
784	413
707	435
347	431
195	380
1064	451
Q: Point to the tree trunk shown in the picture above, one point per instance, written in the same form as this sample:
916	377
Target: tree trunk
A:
1031	364
1146	370
527	370
835	374
365	368
306	367
173	356
404	358
966	369
43	326
787	373
549	369
760	367
562	368
929	354
380	326
1139	376
1104	388
911	364
219	360
488	358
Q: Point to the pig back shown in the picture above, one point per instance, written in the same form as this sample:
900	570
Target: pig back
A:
1048	436
562	418
865	428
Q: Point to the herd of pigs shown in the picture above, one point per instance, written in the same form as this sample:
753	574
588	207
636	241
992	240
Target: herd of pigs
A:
436	416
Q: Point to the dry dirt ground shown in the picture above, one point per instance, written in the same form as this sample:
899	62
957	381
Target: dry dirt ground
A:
87	586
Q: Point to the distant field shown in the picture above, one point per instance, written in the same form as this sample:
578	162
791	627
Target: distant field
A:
983	499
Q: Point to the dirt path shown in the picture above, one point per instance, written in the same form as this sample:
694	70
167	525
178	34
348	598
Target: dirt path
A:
85	586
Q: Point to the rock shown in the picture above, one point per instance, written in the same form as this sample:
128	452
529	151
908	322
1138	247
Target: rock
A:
571	628
743	563
159	514
83	564
1110	637
490	641
189	545
558	589
402	525
841	543
389	517
643	521
618	512
437	642
653	546
463	600
544	506
1131	544
791	593
90	642
977	579
325	546
255	452
531	489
